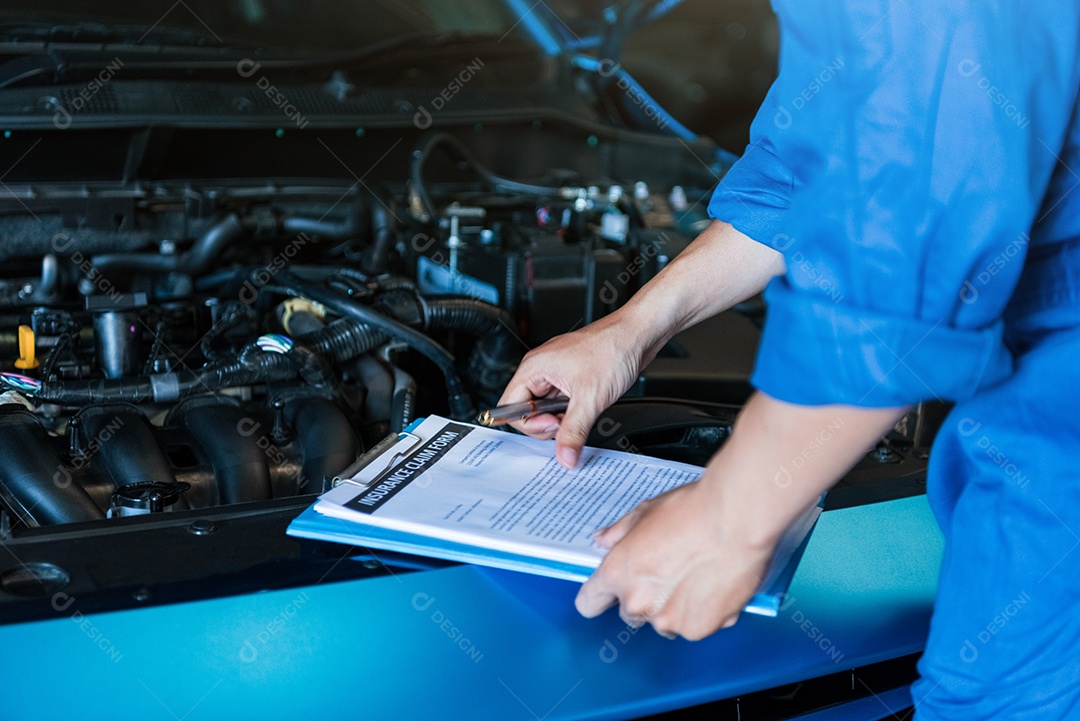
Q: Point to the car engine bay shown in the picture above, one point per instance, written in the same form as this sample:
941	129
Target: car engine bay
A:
208	310
266	337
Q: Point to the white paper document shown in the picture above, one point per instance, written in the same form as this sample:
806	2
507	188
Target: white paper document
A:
490	490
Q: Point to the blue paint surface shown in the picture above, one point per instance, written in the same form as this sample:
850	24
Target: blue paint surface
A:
466	642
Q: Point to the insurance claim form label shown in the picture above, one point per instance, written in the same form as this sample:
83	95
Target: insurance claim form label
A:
500	491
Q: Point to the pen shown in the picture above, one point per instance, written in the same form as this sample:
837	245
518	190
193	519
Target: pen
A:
521	411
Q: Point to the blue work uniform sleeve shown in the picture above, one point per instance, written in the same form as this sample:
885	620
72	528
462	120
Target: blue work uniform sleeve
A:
753	196
898	165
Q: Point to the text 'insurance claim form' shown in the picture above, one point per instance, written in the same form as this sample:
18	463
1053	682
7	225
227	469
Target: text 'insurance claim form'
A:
506	493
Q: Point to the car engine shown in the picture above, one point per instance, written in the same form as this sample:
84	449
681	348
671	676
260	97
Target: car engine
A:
182	346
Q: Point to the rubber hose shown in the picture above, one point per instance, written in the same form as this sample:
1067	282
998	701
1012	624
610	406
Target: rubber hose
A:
134	455
200	258
459	401
344	230
432	140
326	436
312	367
241	467
33	476
493	325
377	259
343	340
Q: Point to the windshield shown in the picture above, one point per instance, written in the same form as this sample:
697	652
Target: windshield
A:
308	27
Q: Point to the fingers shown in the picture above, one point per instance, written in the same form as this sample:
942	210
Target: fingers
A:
672	611
567	365
543	426
693	624
528	383
574	429
637	605
608	537
616	583
594	597
524	388
631	620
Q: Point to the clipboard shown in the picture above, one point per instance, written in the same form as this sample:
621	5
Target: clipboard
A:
399	444
394	448
390	465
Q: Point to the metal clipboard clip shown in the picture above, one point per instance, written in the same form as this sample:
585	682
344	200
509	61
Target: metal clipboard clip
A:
377	451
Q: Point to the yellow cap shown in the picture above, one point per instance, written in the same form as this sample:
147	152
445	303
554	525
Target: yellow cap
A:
27	357
291	306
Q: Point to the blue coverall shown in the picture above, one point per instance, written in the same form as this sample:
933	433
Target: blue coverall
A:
916	162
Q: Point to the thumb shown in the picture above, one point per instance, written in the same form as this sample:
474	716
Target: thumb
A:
574	430
610	535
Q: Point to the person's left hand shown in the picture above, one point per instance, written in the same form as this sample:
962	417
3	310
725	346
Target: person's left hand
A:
675	563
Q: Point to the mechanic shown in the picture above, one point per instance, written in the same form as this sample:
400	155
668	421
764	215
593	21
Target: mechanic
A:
906	199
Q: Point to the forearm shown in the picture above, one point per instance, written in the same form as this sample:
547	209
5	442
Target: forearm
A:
782	457
720	268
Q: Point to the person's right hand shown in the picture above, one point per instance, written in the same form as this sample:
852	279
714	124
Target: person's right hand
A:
592	367
597	364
